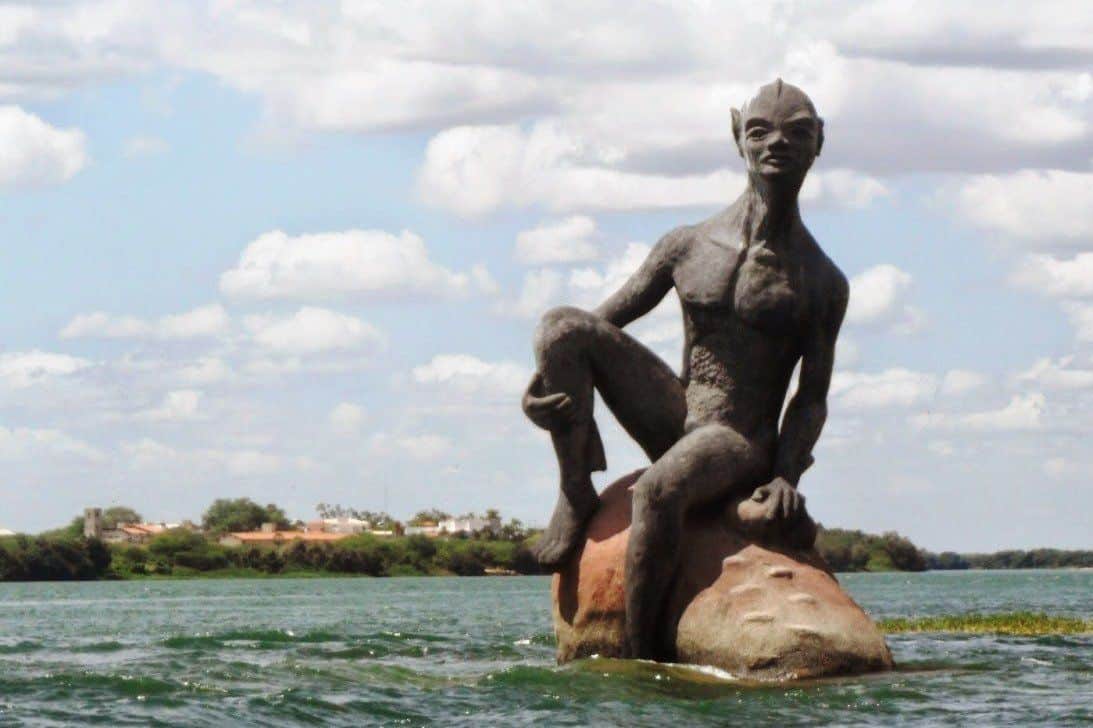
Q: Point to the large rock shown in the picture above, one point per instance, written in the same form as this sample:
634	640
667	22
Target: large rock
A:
757	611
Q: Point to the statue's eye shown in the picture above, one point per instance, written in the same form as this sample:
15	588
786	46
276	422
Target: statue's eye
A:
757	133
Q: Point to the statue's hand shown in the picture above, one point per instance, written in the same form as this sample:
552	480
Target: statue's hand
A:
549	411
781	499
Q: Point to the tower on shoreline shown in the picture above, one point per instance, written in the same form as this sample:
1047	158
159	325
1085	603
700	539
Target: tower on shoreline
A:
92	522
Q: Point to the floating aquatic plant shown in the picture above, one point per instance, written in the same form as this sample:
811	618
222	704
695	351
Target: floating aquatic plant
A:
1011	623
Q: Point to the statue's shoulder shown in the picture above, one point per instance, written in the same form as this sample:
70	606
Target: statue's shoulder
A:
831	285
721	230
676	244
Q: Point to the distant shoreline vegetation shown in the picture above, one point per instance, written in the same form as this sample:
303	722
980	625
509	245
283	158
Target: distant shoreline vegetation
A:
66	554
850	551
185	554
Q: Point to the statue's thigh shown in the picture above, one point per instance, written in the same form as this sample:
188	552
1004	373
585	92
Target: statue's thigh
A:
642	391
708	463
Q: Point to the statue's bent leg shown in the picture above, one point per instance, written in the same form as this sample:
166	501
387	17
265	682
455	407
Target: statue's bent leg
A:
576	353
707	464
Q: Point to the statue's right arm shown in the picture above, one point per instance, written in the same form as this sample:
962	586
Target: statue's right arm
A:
648	285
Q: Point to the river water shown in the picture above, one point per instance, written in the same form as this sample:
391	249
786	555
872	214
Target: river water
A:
451	651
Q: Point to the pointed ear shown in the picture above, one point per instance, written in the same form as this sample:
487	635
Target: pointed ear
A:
819	135
737	130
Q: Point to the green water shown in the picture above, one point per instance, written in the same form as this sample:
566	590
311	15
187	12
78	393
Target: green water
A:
480	652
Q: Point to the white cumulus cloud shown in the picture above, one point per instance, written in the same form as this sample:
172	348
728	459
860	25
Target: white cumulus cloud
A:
563	241
24	368
177	406
33	153
1081	319
961	381
470	375
1042	207
313	330
1060	374
1023	412
21	443
346	419
202	322
340	264
890	388
877	297
1051	276
417	447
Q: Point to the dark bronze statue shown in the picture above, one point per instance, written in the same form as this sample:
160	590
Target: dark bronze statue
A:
758	296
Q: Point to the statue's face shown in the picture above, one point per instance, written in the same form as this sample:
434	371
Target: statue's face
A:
778	132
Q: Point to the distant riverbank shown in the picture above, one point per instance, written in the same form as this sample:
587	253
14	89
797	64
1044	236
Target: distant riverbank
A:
185	554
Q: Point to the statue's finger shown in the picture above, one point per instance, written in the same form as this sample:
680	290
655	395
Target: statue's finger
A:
564	405
545	404
773	504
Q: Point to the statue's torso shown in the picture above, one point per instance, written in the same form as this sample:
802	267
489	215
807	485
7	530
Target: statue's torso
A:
745	312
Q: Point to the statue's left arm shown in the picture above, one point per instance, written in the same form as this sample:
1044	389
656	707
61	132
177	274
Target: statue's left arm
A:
807	411
649	284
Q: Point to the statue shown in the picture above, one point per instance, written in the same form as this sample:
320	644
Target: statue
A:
758	297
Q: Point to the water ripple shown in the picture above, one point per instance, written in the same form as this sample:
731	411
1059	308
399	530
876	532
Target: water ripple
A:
480	651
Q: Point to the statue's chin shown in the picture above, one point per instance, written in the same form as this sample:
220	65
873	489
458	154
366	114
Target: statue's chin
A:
788	175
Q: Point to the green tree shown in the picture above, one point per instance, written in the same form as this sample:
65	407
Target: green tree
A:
241	514
26	558
513	530
119	515
905	556
378	519
326	510
73	529
432	515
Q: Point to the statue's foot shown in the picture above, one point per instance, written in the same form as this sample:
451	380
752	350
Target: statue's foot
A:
565	531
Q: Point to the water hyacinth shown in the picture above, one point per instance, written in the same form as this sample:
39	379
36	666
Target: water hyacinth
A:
1024	624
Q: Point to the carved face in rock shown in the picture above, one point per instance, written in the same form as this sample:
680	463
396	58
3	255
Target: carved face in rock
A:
778	132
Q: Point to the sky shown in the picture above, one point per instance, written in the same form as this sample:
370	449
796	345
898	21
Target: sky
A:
296	251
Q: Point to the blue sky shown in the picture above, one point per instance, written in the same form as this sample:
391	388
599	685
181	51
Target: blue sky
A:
295	251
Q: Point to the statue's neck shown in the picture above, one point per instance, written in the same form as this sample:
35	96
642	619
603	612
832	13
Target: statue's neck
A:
770	212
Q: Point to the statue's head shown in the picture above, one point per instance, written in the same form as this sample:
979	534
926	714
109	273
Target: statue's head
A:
778	132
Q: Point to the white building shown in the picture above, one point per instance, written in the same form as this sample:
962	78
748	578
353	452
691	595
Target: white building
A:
455	526
469	525
345	525
431	530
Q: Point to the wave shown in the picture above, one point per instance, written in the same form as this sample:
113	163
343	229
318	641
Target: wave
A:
20	648
260	637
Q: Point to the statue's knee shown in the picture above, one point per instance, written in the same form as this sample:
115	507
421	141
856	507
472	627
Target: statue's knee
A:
560	324
656	496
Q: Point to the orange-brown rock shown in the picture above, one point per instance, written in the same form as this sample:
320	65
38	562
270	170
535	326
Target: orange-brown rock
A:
754	610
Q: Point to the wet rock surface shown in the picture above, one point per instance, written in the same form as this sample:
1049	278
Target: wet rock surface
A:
747	606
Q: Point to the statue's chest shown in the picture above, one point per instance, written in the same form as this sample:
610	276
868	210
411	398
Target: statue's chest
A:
762	291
